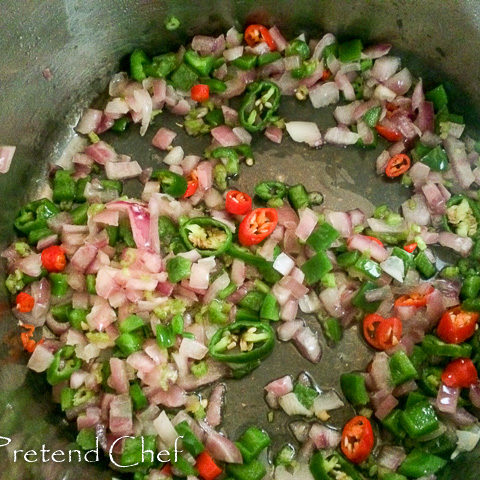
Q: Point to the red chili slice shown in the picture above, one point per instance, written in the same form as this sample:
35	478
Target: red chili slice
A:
192	184
397	165
238	203
357	439
25	302
415	299
200	92
255	34
257	226
457	325
389	134
382	333
53	258
461	373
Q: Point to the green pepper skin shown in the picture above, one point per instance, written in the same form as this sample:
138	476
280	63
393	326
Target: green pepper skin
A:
34	215
64	364
172	183
206	222
138	61
268	190
253	355
251	118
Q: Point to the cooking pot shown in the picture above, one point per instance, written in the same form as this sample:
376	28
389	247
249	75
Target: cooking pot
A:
56	57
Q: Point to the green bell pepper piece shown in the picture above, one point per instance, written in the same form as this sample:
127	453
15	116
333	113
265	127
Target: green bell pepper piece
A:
470	287
322	237
202	65
360	301
419	420
369	268
183	78
267	58
178	268
165	336
245	62
298	197
64	363
87	439
131	323
432	345
253	300
392	422
430	380
129	343
354	389
436	159
80	214
215	86
269	190
59	284
401	368
252	442
305	395
139	400
270	309
350	51
372	116
214	117
171	183
247	471
424	266
63	187
419	464
331	467
230	157
34	215
438	96
316	267
162	65
190	441
298	47
307	69
138	61
333	329
90	281
120	125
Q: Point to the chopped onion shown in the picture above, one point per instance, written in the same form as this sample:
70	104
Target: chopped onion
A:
447	399
324	437
324	94
307	132
6	157
327	401
291	405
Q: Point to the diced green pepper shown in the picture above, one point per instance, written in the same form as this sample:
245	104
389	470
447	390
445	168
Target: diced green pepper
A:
438	96
361	302
392	422
419	464
248	471
401	368
354	389
129	343
333	329
424	266
432	345
183	78
178	268
323	237
419	419
270	309
350	51
190	441
252	442
139	400
316	267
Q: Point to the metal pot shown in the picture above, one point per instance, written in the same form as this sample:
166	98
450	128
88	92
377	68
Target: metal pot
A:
80	44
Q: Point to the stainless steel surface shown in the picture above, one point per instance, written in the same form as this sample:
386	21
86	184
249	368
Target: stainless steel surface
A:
82	43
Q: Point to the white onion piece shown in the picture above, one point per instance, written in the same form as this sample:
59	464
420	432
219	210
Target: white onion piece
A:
90	121
377	51
341	136
283	264
391	457
325	41
233	53
292	62
324	437
383	93
385	67
462	245
307	132
292	406
278	38
175	156
122	170
447	399
324	94
40	359
308	222
6	157
280	386
308	345
345	113
163	138
327	401
467	440
165	430
458	157
309	303
394	267
415	210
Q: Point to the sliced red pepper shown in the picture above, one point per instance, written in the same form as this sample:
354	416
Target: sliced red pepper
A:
166	470
255	34
25	302
238	203
456	325
200	92
207	468
382	333
326	75
192	184
26	337
461	373
411	247
375	239
397	165
257	226
357	439
388	133
53	258
415	299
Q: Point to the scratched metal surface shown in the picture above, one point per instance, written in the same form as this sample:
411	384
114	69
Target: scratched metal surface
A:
82	42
